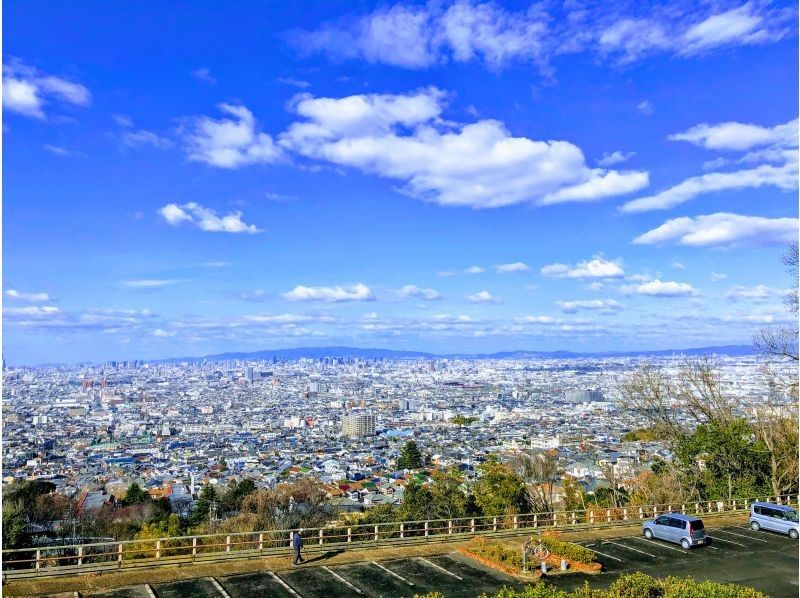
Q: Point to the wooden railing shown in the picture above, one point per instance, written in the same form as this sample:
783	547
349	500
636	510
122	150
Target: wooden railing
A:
105	556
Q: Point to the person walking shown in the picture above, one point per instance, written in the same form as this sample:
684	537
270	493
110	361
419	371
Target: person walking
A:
297	544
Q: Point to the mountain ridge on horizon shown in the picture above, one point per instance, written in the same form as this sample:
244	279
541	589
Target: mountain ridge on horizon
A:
295	353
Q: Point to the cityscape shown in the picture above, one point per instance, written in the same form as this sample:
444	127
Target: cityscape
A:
403	298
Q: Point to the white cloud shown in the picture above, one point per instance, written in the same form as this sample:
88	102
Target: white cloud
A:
206	219
161	333
140	138
203	75
776	145
445	274
33	297
645	107
480	165
758	293
27	91
597	267
57	150
230	142
678	266
150	283
659	288
717	276
606	305
783	177
417	37
482	297
474	270
336	294
617	157
723	230
736	136
512	267
31	311
738	26
410	290
294	82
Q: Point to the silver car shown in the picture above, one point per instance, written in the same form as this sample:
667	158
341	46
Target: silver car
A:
776	518
682	529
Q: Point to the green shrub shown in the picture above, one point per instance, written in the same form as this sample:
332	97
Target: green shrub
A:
497	553
638	585
568	550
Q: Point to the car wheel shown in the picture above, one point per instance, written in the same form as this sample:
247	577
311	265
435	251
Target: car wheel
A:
648	534
793	534
685	544
754	526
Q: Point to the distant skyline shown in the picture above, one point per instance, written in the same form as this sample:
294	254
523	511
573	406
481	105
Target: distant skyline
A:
454	177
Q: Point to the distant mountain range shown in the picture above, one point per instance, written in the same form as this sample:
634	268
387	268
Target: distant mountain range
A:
320	352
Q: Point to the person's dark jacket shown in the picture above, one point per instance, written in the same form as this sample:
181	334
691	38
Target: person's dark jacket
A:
297	540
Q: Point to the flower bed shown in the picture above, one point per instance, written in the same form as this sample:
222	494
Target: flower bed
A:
508	560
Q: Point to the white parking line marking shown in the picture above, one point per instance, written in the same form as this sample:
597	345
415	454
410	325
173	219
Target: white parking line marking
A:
629	548
149	589
400	577
724	531
603	553
659	544
285	585
442	569
219	588
727	541
343	580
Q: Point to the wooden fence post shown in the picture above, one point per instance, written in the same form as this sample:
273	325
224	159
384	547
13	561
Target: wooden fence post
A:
119	554
80	556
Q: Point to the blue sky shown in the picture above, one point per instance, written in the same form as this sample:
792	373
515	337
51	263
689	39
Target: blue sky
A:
451	176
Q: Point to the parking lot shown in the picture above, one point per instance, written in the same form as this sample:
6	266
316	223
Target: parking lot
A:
734	554
453	575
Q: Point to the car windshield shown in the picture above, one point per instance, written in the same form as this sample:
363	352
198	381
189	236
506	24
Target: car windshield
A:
791	516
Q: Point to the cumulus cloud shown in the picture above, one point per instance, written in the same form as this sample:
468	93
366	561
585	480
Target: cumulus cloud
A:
659	288
206	219
645	107
480	165
474	270
413	291
597	267
27	91
336	294
736	136
617	157
604	305
32	297
717	276
744	25
512	267
230	142
723	230
31	311
482	297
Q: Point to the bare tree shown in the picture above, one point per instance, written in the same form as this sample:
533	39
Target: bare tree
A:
778	431
780	342
539	471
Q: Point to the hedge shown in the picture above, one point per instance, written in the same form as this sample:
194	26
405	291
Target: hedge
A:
568	550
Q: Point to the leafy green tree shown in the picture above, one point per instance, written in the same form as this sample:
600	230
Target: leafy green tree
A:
161	510
223	464
207	501
135	495
234	494
410	456
500	491
448	501
13	527
417	502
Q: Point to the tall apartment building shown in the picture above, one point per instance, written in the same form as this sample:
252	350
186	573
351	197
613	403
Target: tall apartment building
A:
358	425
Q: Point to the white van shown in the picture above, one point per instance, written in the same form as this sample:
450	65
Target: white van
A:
776	518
